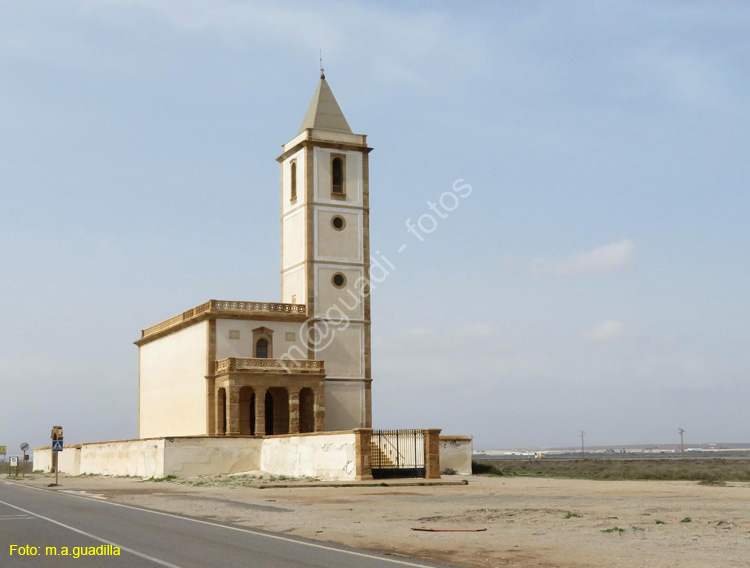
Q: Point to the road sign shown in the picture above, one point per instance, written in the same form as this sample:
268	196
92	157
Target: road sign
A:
13	460
26	457
3	450
24	447
57	445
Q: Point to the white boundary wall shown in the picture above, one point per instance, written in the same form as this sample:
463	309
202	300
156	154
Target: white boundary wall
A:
185	457
325	456
42	459
139	458
329	456
455	453
69	460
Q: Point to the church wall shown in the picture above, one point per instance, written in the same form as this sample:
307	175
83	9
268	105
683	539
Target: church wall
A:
243	347
338	245
345	405
293	286
293	239
333	300
172	400
342	349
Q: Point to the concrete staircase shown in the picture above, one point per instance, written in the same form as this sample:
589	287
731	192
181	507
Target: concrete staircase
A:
378	458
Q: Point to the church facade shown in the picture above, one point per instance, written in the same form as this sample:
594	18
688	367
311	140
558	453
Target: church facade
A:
303	364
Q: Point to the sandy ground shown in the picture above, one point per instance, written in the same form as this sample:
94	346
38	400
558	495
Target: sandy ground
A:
529	521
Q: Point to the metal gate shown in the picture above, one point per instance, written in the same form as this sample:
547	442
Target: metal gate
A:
397	453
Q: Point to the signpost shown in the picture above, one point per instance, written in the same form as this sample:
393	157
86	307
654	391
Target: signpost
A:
13	462
3	450
57	446
24	449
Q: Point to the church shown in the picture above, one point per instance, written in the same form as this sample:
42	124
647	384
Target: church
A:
232	368
283	388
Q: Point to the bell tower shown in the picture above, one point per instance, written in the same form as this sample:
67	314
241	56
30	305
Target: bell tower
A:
325	252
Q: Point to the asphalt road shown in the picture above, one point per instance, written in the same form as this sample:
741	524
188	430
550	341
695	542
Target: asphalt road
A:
39	518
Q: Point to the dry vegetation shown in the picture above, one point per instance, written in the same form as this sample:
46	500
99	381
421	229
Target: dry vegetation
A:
5	466
708	471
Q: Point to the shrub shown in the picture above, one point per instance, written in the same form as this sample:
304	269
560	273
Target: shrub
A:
483	467
708	471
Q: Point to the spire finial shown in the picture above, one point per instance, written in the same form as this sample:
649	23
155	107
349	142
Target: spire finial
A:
322	74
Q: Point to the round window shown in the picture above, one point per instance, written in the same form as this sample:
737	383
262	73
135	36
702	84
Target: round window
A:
339	280
338	222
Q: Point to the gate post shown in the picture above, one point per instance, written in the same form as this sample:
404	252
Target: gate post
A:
432	453
362	462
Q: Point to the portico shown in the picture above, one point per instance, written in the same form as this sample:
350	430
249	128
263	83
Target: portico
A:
259	397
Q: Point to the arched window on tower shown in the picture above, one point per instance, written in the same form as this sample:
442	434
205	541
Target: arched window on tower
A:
261	349
337	175
294	181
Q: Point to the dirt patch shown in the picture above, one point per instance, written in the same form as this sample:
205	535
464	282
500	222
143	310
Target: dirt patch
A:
530	522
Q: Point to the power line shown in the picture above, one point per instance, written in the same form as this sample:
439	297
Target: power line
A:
583	451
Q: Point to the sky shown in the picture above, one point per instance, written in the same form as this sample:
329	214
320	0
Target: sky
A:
595	278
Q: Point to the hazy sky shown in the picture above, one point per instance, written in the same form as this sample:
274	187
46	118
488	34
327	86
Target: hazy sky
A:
596	278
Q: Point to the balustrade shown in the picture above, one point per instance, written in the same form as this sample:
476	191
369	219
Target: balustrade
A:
268	365
222	306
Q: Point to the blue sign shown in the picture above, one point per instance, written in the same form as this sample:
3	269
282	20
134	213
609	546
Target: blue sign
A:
57	445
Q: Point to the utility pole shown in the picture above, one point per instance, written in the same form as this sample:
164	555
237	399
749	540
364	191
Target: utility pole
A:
682	442
583	451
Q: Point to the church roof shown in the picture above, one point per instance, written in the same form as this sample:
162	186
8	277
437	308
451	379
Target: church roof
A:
324	112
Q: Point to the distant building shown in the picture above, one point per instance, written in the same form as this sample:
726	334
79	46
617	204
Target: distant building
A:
231	368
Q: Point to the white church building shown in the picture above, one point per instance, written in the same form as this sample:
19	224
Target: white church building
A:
281	387
298	365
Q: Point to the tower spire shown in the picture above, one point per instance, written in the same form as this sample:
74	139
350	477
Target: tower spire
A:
324	112
322	74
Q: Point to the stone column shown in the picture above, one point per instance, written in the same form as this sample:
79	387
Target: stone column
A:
362	443
260	411
320	407
294	411
211	407
432	453
219	413
233	410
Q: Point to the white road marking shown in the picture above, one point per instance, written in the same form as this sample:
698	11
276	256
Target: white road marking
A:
100	539
238	529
